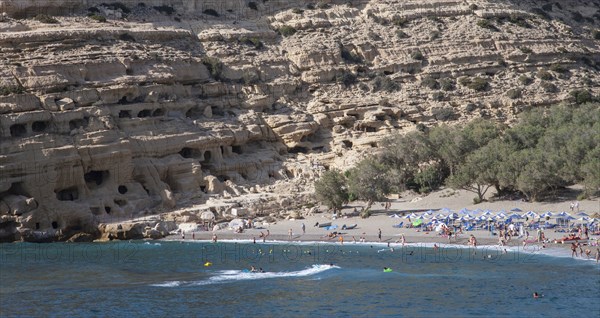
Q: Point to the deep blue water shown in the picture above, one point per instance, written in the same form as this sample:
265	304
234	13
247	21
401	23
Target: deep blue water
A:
158	279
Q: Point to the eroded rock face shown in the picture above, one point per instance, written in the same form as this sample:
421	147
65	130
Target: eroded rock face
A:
103	122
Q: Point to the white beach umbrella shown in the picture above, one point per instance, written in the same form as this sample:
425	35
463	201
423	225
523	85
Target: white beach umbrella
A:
235	223
440	216
582	214
207	215
563	213
487	213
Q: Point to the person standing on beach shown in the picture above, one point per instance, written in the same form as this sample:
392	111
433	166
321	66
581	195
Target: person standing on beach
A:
379	234
303	228
573	249
290	234
402	239
183	235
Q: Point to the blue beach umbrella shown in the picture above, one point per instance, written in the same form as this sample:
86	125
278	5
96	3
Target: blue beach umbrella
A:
516	210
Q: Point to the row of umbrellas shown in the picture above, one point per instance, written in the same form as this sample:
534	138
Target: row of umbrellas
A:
488	215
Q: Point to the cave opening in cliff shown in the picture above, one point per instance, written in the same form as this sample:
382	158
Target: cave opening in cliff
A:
16	188
18	130
95	178
78	123
123	100
39	126
95	210
54	225
380	117
158	112
216	111
122	189
120	202
370	129
37	225
68	194
144	113
124	114
237	149
107	209
203	188
187	153
347	143
298	149
207	157
222	178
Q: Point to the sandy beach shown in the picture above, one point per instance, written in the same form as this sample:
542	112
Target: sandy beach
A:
381	219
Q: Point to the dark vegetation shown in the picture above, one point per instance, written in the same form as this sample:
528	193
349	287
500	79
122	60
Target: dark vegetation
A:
548	149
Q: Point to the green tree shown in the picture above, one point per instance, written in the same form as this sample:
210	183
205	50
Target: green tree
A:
477	174
368	181
331	190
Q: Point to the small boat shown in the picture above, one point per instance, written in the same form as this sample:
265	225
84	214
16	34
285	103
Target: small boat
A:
325	224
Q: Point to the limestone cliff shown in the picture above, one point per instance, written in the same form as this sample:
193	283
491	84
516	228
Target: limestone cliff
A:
172	103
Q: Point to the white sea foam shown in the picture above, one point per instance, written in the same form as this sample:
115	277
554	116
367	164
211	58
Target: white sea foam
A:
242	275
167	284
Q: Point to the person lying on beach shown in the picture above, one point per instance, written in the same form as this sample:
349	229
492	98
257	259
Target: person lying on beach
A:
570	237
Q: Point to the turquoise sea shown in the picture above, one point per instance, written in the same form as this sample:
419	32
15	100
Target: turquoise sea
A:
170	279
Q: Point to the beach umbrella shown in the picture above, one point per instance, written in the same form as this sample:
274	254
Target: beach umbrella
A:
464	211
430	211
207	215
515	216
417	222
516	210
487	212
501	215
453	216
412	215
583	218
395	216
482	218
406	217
440	216
582	214
235	223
